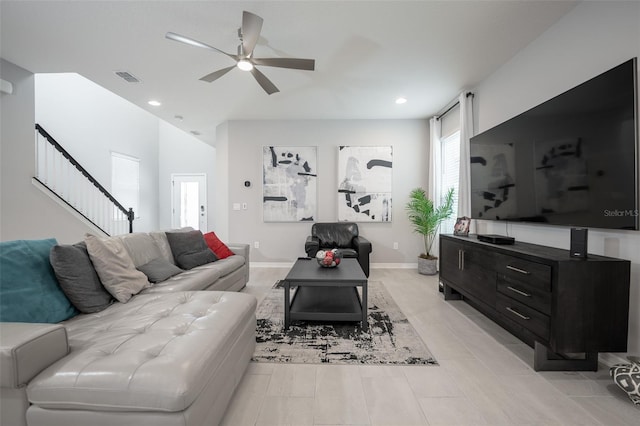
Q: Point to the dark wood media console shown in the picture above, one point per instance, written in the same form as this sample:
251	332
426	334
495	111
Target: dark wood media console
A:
567	309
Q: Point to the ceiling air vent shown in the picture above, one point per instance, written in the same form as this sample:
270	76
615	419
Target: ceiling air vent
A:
127	76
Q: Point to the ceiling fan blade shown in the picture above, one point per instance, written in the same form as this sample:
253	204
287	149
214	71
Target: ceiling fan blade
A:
196	43
264	82
217	74
251	27
295	63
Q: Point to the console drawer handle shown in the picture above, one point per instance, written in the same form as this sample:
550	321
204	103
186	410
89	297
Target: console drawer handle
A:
522	271
520	292
513	311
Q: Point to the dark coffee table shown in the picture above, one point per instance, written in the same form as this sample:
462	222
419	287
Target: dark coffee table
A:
325	294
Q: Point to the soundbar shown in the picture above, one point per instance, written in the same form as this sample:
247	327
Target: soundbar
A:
496	239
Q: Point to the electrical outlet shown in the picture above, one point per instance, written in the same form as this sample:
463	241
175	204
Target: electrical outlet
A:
395	246
256	244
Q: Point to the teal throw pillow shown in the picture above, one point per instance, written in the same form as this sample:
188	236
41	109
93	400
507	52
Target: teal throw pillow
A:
29	291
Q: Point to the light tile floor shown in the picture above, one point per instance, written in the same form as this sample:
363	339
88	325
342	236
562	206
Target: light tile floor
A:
484	378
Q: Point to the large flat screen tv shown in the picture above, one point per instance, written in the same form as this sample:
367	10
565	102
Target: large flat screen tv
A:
571	161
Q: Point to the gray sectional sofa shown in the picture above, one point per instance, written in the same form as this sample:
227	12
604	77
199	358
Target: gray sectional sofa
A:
172	355
229	274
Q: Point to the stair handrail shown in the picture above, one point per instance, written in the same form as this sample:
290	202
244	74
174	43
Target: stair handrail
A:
128	213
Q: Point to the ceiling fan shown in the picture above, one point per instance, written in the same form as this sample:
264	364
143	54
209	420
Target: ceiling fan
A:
249	33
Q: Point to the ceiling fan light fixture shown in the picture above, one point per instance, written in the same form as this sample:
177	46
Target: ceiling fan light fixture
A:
245	65
249	35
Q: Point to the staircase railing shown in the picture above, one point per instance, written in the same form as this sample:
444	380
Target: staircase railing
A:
59	172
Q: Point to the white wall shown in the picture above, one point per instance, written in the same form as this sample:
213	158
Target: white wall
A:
25	212
281	242
221	204
90	122
180	152
592	38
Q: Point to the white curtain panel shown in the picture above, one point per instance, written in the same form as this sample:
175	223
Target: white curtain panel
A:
466	131
435	170
435	160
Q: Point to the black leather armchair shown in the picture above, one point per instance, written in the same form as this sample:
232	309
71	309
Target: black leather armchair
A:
339	235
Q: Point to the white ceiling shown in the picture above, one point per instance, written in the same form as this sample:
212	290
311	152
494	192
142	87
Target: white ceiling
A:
367	53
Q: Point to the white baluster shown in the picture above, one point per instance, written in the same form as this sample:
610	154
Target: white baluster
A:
94	204
39	156
45	176
59	181
106	220
69	179
77	188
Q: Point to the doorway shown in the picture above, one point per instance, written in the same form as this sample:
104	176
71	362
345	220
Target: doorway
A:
189	200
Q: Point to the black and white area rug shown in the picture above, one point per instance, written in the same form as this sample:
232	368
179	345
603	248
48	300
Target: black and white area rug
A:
391	339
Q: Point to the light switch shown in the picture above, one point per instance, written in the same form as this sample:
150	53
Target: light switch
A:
244	206
236	206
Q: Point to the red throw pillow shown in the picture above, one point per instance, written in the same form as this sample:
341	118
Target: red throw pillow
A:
217	246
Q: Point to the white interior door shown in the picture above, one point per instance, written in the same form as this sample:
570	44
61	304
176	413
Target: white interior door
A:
189	201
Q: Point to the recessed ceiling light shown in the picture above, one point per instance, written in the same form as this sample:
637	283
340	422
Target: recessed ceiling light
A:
401	100
154	103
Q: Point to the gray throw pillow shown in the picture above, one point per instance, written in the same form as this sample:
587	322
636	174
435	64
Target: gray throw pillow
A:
115	268
78	279
190	249
159	269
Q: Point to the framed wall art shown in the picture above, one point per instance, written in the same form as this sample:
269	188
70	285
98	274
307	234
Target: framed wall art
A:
364	183
289	183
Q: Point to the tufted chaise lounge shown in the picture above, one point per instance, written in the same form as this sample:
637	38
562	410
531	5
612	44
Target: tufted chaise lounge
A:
161	359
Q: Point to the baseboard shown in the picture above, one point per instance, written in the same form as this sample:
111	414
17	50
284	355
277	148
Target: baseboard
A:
271	264
610	359
373	265
394	266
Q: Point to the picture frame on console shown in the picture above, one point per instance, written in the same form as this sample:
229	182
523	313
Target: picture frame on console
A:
461	228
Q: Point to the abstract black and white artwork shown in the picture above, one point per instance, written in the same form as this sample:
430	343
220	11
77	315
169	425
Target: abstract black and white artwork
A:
364	183
289	180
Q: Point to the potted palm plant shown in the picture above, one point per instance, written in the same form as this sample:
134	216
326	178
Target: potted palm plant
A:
426	219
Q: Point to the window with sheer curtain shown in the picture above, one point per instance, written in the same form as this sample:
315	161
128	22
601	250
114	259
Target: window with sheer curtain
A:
449	135
450	162
450	151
